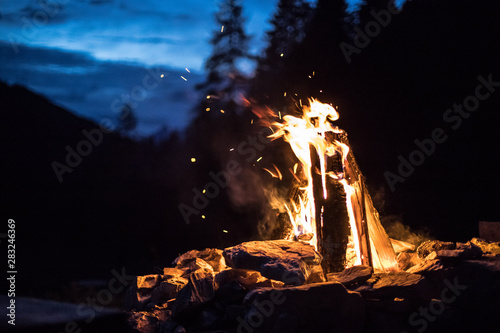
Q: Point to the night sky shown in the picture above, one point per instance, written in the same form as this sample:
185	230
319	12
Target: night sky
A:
84	54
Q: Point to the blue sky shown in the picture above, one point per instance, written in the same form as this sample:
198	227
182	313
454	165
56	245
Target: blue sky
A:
84	54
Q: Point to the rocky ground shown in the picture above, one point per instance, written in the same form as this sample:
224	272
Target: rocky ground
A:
279	286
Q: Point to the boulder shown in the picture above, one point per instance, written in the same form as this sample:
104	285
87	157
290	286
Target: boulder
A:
167	290
430	246
199	289
143	322
396	285
489	231
211	256
320	307
427	266
248	279
287	261
139	293
490	248
355	274
170	272
148	281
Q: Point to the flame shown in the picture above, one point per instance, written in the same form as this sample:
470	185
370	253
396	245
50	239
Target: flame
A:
314	130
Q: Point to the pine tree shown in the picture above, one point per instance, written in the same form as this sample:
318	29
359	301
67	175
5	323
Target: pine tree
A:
289	29
230	46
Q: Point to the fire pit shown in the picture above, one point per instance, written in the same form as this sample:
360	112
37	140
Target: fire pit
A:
336	270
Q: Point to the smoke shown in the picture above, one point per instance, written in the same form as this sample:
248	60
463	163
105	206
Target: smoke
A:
397	230
393	225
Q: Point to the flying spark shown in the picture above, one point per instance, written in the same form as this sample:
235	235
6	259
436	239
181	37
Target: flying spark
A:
183	78
187	70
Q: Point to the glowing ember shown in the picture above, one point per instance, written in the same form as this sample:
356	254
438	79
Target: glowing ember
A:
316	142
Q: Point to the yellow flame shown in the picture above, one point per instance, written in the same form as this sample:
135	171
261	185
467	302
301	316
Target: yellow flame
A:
311	131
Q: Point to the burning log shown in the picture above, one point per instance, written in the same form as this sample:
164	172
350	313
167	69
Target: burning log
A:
332	227
333	203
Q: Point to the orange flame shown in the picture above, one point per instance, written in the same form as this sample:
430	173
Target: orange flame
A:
311	130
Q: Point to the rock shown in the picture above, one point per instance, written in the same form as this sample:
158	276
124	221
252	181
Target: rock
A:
195	264
139	293
143	322
321	307
248	279
461	251
167	290
213	257
407	260
148	281
428	247
170	272
426	266
489	231
396	285
400	246
355	274
316	275
199	289
487	247
230	293
287	261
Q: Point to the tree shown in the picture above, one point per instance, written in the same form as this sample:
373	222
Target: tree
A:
289	29
230	47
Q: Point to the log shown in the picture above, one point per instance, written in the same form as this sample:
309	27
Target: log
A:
332	218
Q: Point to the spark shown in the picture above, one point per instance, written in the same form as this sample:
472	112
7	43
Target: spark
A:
203	216
208	96
281	55
284	94
251	121
207	109
278	171
204	190
279	113
193	159
221	111
300	101
187	70
162	76
274	175
271	129
258	160
231	149
310	76
183	78
225	231
222	29
271	173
